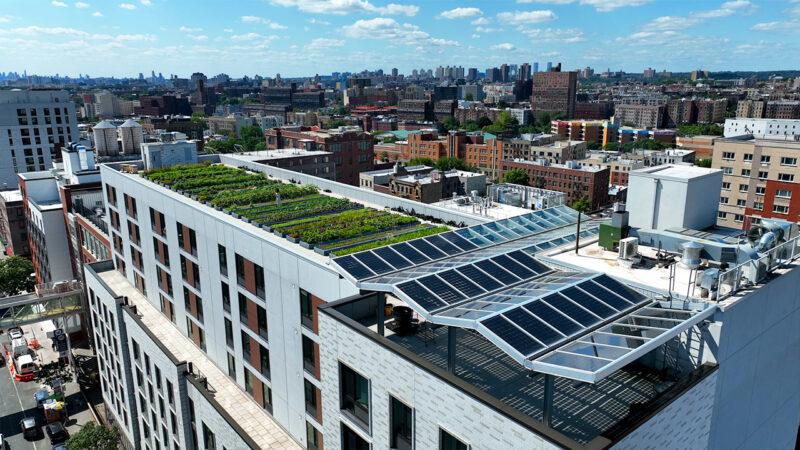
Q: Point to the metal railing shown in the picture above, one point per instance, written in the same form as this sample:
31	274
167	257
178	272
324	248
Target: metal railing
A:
752	272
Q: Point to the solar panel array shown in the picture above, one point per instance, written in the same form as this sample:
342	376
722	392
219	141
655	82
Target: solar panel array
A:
545	322
446	288
401	256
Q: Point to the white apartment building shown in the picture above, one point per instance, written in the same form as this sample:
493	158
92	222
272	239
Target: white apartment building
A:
219	329
33	126
775	129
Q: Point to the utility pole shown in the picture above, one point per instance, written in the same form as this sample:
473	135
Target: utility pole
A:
578	233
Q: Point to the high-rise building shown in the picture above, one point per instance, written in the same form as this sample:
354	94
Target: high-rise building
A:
34	126
524	73
554	93
649	73
472	74
535	67
504	73
639	116
395	72
13	224
549	66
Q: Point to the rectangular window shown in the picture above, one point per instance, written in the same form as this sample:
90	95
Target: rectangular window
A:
245	345
738	218
401	425
783	193
760	190
780	209
758	206
262	322
726	186
312	437
352	441
231	366
743	187
226	296
354	394
723	200
229	332
266	398
449	442
765	159
209	443
223	260
309	355
785	177
722	215
306	311
242	308
728	156
240	270
745	172
248	382
264	354
788	161
741	202
762	174
259	274
727	170
157	223
748	157
310	392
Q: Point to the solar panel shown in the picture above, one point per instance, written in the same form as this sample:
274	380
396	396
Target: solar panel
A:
354	267
620	289
458	241
572	310
513	266
470	235
588	302
392	257
427	249
554	318
606	296
441	289
442	244
410	253
497	272
479	277
538	329
374	263
512	335
528	262
461	283
421	296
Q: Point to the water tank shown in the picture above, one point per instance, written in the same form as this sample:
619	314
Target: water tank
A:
105	139
132	137
691	254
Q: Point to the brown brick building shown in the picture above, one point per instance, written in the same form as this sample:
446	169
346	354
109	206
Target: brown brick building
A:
554	93
353	149
576	182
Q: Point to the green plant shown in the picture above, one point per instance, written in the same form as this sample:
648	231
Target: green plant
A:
516	176
94	437
16	276
392	240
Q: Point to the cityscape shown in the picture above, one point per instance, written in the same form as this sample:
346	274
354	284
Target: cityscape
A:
549	224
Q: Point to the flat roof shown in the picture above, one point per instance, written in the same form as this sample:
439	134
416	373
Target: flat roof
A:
675	172
253	419
11	195
263	155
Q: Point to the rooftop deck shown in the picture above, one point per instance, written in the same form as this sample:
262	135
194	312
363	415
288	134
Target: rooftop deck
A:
253	420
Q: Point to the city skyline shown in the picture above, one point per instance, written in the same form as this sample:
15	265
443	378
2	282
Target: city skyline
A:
304	37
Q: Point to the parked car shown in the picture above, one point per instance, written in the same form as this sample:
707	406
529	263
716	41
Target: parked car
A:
60	447
30	429
15	333
57	433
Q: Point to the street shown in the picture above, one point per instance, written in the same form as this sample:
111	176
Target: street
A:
17	399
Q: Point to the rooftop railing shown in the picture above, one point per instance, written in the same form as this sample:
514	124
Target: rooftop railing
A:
755	271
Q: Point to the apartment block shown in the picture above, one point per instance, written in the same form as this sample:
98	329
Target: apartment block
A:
774	129
639	116
759	181
572	179
500	334
34	126
554	92
13	227
701	145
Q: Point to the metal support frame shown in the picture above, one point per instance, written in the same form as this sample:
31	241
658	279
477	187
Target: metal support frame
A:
547	408
451	349
381	313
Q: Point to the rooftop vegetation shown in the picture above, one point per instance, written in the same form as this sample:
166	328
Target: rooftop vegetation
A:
299	212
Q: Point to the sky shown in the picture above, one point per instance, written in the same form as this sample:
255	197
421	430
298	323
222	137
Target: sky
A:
307	37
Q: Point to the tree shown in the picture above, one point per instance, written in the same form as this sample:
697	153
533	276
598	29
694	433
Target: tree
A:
692	129
611	147
469	97
422	162
450	123
505	125
94	437
582	204
593	145
703	162
483	121
471	125
16	276
516	176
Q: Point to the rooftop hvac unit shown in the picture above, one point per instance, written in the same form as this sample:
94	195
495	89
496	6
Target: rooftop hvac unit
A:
129	168
628	248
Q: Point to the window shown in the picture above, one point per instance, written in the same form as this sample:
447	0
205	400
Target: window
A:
401	425
231	366
248	382
738	218
309	355
728	156
741	202
722	215
242	308
229	332
312	437
245	345
758	206
760	190
743	187
136	350
223	260
783	193
310	392
788	161
209	443
352	441
157	223
785	177
259	272
765	159
449	442
727	170
261	313
354	394
763	174
266	398
780	209
306	310
264	354
726	186
723	200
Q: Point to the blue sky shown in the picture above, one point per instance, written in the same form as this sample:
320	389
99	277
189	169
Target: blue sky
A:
303	37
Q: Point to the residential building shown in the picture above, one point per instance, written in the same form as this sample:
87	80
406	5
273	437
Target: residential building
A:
230	125
493	94
443	109
755	109
475	111
574	181
352	148
168	151
420	110
701	145
774	129
163	105
422	183
579	130
759	179
311	162
619	165
322	350
13	227
34	126
768	109
486	155
639	116
521	147
597	110
554	93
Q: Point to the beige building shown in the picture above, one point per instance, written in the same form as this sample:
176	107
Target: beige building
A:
759	178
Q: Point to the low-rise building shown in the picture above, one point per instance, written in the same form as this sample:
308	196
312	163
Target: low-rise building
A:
640	116
572	179
310	162
422	183
701	145
774	129
13	229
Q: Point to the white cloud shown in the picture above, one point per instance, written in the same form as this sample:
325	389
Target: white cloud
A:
461	13
197	37
97	14
480	21
551	2
136	38
227	30
146	2
793	25
726	9
503	46
391	30
666	23
59	4
562	35
271	24
342	7
5	19
487	30
185	29
324	44
128	6
526	17
314	21
610	5
253	37
82	5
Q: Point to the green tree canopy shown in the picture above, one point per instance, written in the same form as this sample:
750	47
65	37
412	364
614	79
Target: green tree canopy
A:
516	176
505	125
422	162
94	437
582	204
16	276
692	129
703	162
450	123
483	121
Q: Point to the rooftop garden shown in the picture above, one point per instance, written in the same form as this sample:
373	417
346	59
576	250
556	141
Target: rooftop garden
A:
300	213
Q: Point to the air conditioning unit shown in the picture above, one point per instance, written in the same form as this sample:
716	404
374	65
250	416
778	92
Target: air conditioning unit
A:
628	248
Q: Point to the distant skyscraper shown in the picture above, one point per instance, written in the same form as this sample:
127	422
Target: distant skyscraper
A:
394	72
524	72
549	66
472	74
504	72
535	67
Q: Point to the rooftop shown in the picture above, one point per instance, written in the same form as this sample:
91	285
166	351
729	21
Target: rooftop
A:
300	213
253	420
265	155
11	195
675	172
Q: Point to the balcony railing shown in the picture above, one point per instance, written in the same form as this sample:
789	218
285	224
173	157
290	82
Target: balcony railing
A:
755	271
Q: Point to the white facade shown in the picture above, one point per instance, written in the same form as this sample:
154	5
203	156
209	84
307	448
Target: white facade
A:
163	154
782	129
674	196
32	124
